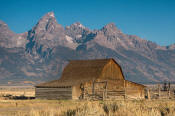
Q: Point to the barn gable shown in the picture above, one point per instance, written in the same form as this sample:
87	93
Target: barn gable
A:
112	71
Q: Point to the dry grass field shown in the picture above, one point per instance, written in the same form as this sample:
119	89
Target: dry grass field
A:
87	108
36	107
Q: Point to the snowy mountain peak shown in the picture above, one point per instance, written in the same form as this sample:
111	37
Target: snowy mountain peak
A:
47	23
111	27
51	14
3	25
110	30
48	17
78	24
171	47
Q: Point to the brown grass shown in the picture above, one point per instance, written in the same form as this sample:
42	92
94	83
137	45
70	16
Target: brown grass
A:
87	108
159	107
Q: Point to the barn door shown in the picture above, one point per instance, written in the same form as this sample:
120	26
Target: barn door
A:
99	90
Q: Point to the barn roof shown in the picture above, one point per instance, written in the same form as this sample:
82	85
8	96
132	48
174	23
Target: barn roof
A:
133	83
79	71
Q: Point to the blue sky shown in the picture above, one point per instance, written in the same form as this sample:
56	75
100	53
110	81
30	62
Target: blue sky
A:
149	19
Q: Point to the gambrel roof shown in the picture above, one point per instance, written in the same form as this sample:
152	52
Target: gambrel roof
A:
80	71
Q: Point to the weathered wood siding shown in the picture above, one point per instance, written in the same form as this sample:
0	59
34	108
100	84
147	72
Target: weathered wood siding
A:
111	71
88	90
112	74
114	89
76	92
133	90
53	93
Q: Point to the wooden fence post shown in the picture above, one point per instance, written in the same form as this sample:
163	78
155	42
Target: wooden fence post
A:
106	90
82	90
148	93
169	90
93	92
169	94
124	90
159	94
103	95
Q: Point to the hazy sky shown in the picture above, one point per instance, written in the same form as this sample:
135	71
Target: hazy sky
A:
149	19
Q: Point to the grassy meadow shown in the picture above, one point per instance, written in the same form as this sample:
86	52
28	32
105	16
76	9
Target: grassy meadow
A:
36	107
87	108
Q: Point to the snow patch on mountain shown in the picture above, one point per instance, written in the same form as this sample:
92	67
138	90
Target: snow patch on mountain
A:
78	36
70	43
79	25
69	39
52	14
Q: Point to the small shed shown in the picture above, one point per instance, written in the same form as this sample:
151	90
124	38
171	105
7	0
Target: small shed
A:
90	79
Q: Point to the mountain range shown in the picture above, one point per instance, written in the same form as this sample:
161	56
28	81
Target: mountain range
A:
41	53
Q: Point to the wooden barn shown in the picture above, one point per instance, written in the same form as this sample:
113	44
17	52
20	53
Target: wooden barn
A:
90	79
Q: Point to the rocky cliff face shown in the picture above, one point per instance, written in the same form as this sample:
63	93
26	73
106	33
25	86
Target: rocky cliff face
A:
41	53
8	39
